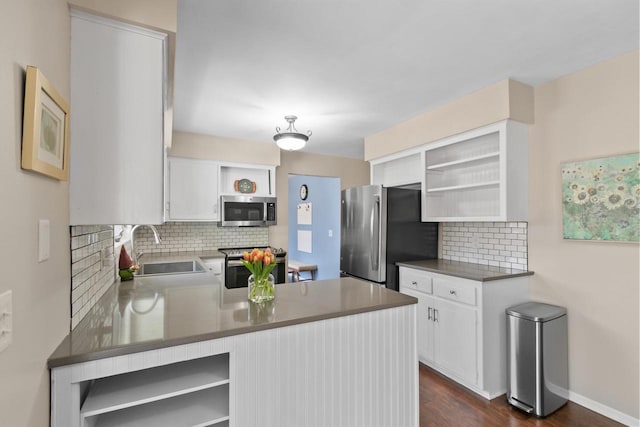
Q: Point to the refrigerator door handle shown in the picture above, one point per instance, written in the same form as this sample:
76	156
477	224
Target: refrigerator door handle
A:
375	234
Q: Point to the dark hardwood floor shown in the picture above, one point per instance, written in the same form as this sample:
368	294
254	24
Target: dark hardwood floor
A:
444	403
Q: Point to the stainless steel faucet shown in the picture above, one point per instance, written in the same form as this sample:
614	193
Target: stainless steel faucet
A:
156	236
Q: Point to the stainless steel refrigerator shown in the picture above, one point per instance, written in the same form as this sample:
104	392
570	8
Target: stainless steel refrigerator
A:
379	227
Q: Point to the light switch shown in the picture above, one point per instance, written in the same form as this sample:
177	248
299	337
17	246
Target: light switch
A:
44	240
6	322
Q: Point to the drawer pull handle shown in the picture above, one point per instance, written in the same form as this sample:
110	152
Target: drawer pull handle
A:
414	283
452	292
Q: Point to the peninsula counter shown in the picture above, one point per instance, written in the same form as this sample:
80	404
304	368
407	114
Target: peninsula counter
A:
183	348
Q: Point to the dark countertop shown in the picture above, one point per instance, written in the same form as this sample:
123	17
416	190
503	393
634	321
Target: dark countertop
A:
155	312
163	256
466	270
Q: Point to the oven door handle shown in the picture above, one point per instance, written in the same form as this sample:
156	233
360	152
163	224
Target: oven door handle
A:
235	263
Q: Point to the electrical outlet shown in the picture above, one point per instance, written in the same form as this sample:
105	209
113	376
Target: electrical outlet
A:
6	320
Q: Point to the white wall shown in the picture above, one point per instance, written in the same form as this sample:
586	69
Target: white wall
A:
34	32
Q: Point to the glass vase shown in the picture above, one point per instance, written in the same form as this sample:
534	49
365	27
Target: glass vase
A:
261	289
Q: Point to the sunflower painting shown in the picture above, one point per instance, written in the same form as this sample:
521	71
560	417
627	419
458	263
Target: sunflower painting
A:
601	199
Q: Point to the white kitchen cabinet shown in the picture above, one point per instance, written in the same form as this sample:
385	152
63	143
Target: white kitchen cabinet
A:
119	77
461	329
455	339
447	333
424	327
480	175
401	170
263	177
215	265
193	190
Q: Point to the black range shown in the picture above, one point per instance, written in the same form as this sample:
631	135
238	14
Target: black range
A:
237	275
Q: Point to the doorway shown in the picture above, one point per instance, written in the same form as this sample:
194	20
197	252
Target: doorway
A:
314	224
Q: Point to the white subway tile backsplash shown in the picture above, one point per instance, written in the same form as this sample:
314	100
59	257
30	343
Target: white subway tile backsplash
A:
488	243
198	237
91	275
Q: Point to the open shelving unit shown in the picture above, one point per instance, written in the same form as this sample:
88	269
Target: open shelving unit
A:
194	393
264	178
480	175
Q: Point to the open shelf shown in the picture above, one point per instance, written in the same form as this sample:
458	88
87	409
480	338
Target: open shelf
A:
481	202
262	177
149	385
464	161
463	187
203	408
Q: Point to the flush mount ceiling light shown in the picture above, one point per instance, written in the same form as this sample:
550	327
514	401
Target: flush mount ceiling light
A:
290	139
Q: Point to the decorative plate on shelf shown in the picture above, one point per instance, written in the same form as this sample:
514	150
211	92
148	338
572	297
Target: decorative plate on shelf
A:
244	186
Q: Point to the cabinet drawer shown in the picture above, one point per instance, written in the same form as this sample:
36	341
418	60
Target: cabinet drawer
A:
464	292
415	279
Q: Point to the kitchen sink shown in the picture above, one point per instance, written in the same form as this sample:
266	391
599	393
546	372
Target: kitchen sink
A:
170	267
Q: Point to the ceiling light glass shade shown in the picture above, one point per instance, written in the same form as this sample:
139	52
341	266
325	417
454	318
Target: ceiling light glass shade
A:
291	139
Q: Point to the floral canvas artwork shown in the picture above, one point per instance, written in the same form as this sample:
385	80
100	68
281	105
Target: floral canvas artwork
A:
601	199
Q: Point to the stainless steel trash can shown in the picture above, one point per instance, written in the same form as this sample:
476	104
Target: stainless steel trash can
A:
537	359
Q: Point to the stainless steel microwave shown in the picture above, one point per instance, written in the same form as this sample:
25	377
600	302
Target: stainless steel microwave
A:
247	211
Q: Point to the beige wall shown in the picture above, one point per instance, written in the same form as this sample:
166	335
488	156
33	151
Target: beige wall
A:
351	173
507	99
217	148
33	33
153	13
589	114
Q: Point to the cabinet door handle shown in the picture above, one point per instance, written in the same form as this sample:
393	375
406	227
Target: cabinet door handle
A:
414	283
452	292
429	314
435	315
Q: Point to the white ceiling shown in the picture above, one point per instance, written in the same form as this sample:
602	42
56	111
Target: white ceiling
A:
351	68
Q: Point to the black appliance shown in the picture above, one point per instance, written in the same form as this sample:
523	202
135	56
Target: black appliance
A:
237	275
379	227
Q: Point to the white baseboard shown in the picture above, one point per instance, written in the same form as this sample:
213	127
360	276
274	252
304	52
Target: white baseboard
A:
607	411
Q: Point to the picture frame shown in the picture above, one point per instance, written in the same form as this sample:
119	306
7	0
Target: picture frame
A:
601	199
45	135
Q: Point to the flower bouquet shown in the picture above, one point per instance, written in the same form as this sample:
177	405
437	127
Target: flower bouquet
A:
261	282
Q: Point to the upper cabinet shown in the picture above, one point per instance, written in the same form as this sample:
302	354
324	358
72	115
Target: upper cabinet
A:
195	186
398	171
193	190
119	80
479	175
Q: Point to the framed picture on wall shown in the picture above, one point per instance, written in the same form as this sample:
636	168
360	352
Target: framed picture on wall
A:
45	135
601	199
